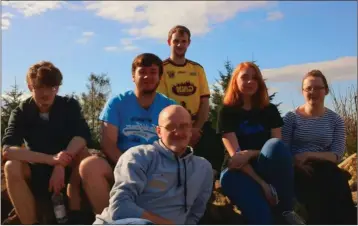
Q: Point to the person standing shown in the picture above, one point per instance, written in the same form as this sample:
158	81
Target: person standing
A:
185	81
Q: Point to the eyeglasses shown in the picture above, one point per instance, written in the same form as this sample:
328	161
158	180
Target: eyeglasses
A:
172	128
310	89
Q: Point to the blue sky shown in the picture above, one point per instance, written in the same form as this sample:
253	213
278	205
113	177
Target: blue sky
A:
286	38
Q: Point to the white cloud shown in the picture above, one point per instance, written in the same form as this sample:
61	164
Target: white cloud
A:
87	33
153	19
276	15
31	8
85	37
130	48
126	44
344	68
111	48
5	20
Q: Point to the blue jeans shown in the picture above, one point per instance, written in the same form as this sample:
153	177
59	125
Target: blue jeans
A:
131	221
274	165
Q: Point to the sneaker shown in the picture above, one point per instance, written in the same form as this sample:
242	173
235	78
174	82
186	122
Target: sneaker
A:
293	218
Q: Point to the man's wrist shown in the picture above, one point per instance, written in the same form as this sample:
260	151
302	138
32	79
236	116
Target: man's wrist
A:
49	160
59	166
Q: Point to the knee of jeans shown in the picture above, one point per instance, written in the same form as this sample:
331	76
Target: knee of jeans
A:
228	180
276	149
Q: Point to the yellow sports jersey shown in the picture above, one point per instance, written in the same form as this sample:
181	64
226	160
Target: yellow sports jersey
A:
186	84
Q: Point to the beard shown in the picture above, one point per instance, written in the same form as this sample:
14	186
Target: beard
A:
149	92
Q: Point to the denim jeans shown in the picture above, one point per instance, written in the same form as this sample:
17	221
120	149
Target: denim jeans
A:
132	221
275	166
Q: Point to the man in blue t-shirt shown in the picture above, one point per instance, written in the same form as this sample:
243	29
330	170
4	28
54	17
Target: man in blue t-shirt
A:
128	120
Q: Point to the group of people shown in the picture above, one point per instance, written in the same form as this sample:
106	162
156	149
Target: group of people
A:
149	170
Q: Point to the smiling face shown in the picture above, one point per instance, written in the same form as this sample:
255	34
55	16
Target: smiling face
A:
179	43
247	81
314	90
147	79
175	128
147	69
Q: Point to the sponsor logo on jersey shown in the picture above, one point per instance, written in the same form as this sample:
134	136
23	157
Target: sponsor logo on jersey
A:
184	89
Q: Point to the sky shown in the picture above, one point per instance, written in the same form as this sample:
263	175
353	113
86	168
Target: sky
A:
287	39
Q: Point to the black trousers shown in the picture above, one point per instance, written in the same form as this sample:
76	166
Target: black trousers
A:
326	194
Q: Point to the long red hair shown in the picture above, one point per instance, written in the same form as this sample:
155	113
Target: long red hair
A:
232	95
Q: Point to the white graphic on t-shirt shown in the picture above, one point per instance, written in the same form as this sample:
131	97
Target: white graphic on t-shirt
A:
144	131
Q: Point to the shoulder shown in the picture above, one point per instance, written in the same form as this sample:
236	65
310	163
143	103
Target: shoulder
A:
202	163
290	115
164	99
271	108
166	62
195	64
334	117
25	104
118	99
69	101
229	110
140	154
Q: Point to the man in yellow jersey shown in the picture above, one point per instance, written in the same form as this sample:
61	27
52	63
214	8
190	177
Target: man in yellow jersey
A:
185	81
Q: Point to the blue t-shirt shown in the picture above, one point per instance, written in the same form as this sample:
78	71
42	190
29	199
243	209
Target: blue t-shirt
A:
135	124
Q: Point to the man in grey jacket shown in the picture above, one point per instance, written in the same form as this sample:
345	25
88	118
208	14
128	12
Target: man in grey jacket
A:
161	183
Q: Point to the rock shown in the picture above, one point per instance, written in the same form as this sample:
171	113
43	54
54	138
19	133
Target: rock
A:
354	196
350	165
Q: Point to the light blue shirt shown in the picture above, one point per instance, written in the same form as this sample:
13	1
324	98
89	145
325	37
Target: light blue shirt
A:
135	124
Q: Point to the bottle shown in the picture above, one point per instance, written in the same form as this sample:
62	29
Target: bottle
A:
59	208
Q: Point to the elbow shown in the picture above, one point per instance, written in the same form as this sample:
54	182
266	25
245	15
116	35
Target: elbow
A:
123	208
6	153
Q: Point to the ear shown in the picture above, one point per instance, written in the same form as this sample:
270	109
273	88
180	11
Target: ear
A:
169	42
327	91
29	87
189	42
157	128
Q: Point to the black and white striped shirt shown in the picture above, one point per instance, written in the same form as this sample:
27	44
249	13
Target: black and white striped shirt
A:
319	134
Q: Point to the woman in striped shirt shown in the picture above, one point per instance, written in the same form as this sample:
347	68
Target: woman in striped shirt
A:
316	137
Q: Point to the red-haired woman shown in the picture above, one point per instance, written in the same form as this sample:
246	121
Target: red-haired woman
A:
259	174
316	138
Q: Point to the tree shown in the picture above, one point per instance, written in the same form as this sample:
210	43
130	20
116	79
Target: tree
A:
93	102
218	92
73	95
11	100
219	89
346	106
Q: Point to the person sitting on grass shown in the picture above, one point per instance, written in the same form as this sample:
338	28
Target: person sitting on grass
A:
163	182
56	137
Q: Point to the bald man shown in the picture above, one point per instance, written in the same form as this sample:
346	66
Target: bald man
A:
161	183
